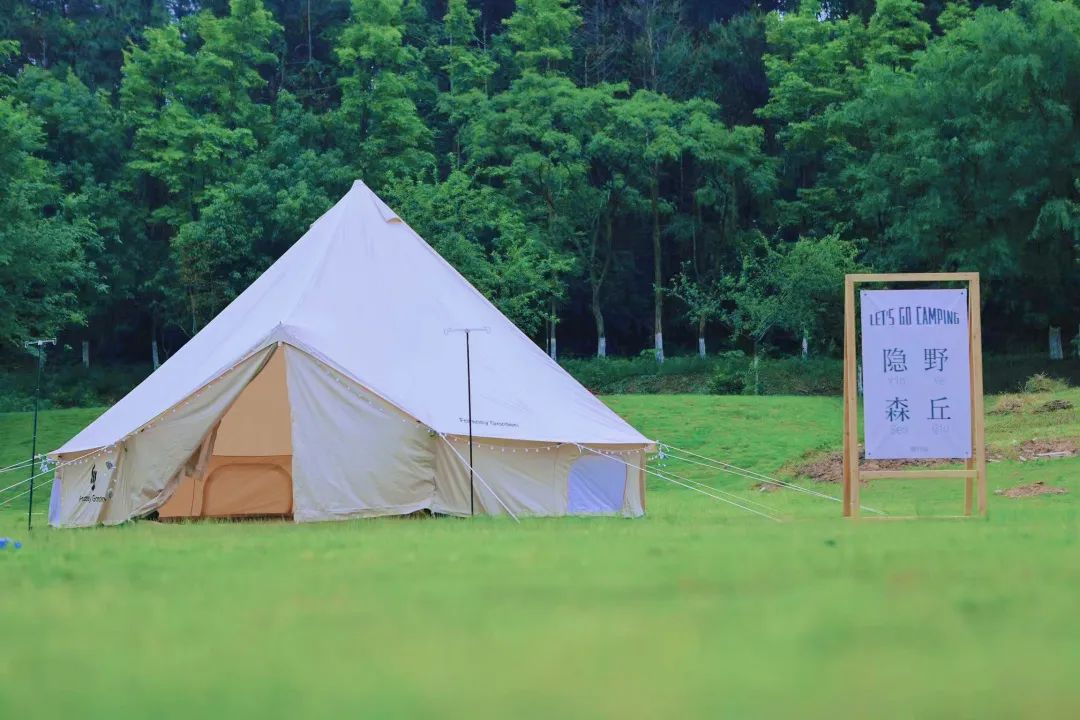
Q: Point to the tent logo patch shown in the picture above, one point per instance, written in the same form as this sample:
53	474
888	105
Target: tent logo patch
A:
91	497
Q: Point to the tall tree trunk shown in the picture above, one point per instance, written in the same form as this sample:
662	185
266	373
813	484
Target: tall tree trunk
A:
701	338
86	353
154	357
596	281
598	316
1056	351
552	351
658	278
805	345
757	373
310	55
194	323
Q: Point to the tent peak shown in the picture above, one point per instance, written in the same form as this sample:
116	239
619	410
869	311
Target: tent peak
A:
383	209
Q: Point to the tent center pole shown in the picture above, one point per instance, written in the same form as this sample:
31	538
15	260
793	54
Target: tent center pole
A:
468	384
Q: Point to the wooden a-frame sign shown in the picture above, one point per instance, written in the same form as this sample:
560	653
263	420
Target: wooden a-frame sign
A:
974	472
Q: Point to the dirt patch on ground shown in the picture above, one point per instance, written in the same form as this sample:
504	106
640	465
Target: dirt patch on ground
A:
830	468
1033	490
1019	404
1048	449
1009	405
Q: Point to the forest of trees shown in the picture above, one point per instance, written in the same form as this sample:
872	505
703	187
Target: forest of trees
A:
616	175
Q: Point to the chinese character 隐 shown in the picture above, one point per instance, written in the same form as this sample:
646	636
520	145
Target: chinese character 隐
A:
894	360
935	358
938	408
897	410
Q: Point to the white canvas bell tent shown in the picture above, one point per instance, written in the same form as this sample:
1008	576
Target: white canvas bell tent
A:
331	389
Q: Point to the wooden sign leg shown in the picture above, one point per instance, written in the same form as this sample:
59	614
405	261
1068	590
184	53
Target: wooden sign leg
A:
978	416
851	405
969	484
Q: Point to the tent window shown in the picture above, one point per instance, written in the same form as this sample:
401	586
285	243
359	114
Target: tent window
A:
596	485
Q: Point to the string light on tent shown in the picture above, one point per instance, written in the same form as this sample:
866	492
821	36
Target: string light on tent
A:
546	448
377	407
206	388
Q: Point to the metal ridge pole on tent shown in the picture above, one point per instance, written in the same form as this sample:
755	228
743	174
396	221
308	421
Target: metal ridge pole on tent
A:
468	390
39	345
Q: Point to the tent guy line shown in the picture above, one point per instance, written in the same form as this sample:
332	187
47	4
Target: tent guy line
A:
52	469
688	487
751	474
21	464
477	475
740	472
27	492
713	488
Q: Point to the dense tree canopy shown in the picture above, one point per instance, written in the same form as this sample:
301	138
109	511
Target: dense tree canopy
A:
616	175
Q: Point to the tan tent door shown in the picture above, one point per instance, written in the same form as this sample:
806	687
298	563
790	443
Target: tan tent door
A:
249	471
256	487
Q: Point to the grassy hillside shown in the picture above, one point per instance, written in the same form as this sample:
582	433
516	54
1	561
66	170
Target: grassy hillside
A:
698	610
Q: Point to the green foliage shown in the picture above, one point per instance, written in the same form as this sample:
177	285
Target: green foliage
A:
686	374
378	88
1041	383
66	384
811	287
733	372
704	301
731	376
598	168
42	247
540	33
486	239
798	287
967	166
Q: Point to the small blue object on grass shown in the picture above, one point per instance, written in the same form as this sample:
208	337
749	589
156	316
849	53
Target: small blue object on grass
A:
14	543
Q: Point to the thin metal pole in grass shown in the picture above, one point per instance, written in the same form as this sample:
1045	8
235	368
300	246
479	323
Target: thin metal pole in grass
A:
468	385
672	480
478	477
749	474
40	346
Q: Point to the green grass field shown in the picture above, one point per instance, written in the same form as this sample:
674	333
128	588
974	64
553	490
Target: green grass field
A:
697	610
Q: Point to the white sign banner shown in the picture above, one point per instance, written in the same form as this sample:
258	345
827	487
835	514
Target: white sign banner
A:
916	374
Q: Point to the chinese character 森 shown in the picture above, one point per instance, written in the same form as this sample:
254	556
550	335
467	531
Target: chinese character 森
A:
897	410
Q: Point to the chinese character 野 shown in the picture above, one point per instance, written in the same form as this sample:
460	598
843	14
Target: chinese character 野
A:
894	360
934	358
897	410
938	408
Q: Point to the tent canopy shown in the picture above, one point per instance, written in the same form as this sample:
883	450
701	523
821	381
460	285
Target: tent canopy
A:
335	387
367	296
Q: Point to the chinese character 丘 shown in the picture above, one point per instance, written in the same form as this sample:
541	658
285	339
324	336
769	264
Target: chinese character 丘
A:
938	408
